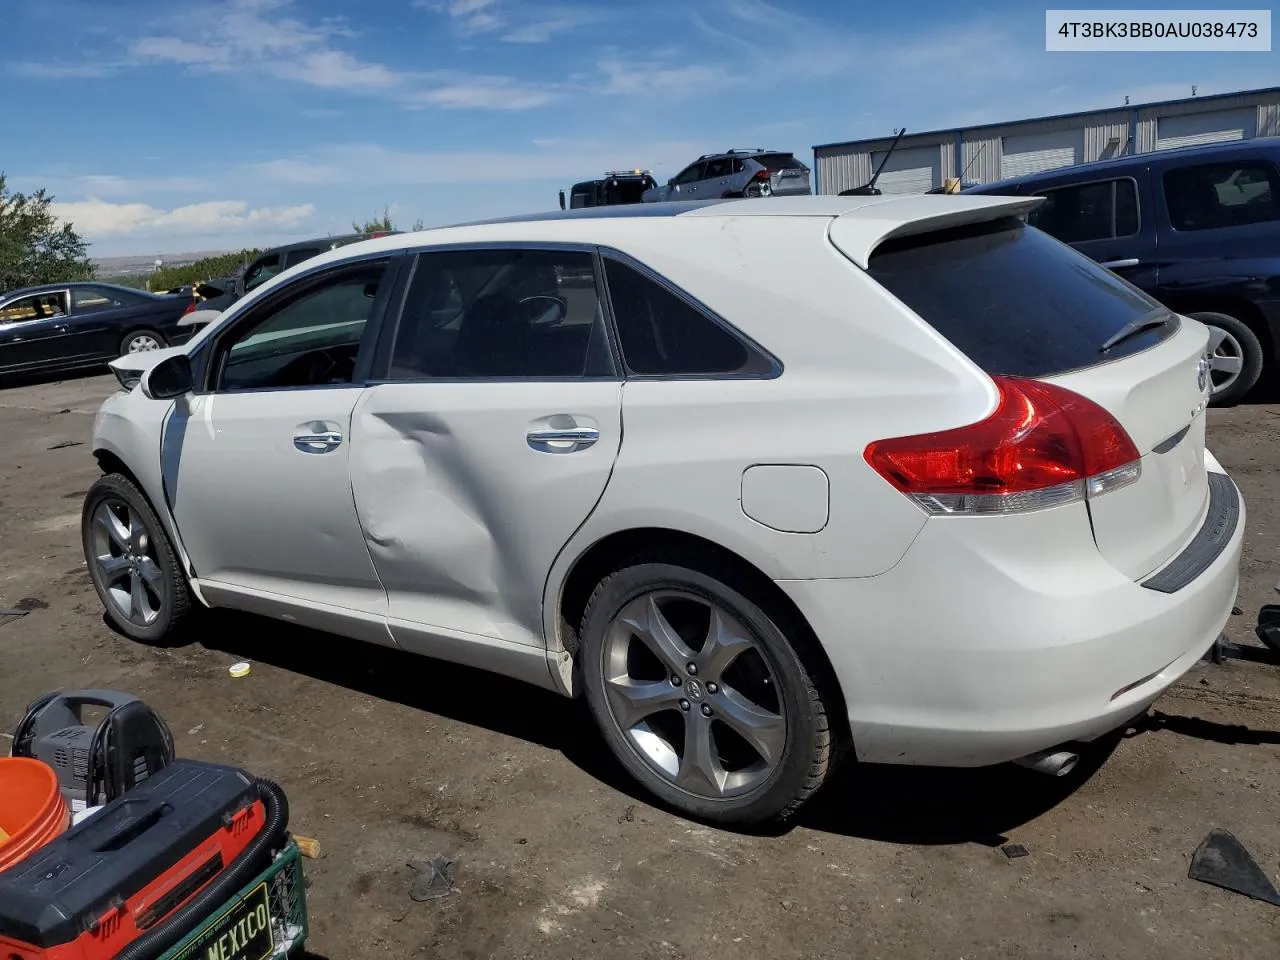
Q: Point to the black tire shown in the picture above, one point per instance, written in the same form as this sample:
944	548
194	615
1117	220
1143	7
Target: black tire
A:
1250	350
807	755
175	601
134	335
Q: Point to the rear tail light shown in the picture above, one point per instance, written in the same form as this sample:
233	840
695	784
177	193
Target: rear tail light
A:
191	307
762	175
1043	446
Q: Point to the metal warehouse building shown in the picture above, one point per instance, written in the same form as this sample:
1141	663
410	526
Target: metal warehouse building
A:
984	154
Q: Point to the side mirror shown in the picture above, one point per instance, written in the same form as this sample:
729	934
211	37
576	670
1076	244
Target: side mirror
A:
169	378
561	199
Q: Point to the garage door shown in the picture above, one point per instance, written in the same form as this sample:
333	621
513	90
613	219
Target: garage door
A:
912	170
1033	152
1214	127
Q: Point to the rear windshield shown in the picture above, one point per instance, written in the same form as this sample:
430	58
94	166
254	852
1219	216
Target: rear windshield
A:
778	161
628	190
1016	301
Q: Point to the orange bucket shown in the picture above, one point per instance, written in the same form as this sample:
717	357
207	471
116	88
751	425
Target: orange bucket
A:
32	811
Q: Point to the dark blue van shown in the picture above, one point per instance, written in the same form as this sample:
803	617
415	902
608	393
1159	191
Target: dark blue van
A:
1197	228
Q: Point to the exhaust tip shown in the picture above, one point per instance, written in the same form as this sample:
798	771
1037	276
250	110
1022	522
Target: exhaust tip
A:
1056	763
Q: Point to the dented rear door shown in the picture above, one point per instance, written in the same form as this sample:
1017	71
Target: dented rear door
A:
481	453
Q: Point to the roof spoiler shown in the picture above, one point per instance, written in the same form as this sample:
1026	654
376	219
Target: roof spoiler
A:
869	188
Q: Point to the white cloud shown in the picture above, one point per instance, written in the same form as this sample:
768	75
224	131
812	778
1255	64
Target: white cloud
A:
460	91
105	184
100	218
515	22
665	77
540	31
468	17
255	36
61	71
370	163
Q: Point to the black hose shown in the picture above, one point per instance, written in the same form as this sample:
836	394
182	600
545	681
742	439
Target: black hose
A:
241	870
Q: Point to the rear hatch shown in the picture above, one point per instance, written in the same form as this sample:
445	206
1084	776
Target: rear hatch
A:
1019	303
787	175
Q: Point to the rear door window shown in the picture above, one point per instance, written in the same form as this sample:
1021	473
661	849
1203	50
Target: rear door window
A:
502	314
1105	210
1214	195
1016	301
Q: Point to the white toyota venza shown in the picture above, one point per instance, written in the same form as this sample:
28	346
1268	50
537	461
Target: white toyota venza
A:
769	483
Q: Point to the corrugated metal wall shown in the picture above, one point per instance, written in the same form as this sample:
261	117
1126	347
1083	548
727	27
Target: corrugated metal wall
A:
1107	134
981	159
1269	119
838	170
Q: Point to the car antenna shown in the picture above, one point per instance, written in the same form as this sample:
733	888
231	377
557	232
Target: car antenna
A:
972	162
868	189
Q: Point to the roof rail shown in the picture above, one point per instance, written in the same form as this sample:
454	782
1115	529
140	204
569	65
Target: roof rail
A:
749	150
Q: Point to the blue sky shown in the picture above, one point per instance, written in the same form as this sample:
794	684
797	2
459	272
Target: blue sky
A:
172	126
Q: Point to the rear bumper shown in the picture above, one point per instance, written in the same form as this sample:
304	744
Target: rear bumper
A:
986	643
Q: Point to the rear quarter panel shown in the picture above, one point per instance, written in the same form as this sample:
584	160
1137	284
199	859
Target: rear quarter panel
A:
857	367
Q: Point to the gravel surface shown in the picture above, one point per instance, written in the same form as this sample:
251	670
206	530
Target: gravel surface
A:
388	759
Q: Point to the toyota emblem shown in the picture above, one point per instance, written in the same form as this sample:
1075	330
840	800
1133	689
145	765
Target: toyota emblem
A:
1202	373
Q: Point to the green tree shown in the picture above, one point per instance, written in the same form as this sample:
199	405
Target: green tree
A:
381	223
375	224
35	247
222	265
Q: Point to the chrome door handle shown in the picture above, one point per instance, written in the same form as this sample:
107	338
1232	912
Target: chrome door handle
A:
1112	264
317	438
560	440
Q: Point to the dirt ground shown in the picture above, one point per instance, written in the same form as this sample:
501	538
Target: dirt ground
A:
388	758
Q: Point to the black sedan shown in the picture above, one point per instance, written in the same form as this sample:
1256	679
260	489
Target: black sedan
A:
71	326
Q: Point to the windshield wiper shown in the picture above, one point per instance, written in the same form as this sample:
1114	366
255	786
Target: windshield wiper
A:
1132	329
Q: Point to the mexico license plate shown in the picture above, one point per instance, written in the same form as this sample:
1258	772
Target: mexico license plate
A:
243	932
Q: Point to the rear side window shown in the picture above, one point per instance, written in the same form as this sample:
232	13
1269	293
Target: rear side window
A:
778	161
1215	195
662	334
89	299
1090	211
1016	301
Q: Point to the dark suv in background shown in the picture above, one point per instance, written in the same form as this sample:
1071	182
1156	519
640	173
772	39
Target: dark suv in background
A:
614	188
222	292
1197	228
736	173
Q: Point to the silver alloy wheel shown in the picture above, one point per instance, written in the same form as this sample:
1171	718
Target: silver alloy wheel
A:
1226	359
707	715
122	553
142	343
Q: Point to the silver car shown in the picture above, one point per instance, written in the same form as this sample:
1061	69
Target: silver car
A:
736	173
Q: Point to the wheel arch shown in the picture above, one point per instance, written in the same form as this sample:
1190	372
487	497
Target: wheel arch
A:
111	461
1241	309
611	552
139	327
